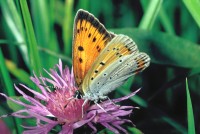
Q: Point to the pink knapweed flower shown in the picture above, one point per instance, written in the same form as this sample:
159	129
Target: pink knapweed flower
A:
55	105
4	129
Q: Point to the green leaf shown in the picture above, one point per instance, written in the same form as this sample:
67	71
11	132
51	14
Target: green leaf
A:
20	74
105	131
193	6
134	130
15	107
164	48
84	4
191	124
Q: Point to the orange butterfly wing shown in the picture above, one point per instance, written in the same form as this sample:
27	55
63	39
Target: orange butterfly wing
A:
90	38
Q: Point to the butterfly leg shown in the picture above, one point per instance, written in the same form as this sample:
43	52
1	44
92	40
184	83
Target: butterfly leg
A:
111	101
100	106
84	103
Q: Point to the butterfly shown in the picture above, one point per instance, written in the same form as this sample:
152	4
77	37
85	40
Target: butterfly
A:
102	60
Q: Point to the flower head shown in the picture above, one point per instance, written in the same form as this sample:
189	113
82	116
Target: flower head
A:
55	105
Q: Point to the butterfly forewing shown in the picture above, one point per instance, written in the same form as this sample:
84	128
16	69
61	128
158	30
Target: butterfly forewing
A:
90	38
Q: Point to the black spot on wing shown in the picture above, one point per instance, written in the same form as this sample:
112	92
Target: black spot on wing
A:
89	35
80	48
101	63
80	60
96	71
94	39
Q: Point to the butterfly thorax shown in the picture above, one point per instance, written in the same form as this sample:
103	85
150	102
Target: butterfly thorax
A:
80	94
94	97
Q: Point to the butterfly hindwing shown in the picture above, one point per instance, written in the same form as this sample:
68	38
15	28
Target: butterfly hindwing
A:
119	60
131	65
90	38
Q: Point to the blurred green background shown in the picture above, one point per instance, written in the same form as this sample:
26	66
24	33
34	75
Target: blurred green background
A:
36	33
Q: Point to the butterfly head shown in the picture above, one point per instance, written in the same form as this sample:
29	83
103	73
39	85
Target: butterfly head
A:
78	94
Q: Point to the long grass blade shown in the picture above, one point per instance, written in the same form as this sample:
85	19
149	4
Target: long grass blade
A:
151	14
9	87
32	43
67	26
13	25
193	6
190	115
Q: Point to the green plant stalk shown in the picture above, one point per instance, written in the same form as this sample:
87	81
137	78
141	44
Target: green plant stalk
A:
150	15
54	54
9	88
175	124
32	44
166	21
190	115
67	27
